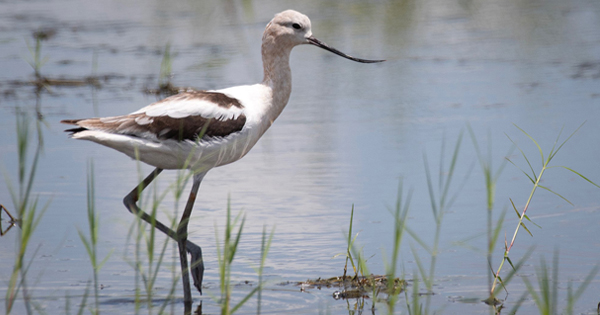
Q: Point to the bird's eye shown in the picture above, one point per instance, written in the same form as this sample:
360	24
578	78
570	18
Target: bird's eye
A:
296	26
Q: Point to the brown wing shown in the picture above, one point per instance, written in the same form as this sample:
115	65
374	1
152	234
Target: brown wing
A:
161	127
165	127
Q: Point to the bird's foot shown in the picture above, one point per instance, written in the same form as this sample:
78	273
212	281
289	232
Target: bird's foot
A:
196	264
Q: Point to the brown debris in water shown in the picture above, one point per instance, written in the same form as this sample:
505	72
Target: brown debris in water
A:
166	90
355	287
43	81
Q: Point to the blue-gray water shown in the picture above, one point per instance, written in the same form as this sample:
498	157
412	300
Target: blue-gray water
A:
350	133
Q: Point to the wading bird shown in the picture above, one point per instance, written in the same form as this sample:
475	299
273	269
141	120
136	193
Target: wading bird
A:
199	130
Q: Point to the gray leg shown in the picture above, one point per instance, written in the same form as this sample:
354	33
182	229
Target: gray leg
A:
184	245
197	265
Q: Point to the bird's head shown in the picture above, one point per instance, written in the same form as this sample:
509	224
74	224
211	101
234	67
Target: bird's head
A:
291	28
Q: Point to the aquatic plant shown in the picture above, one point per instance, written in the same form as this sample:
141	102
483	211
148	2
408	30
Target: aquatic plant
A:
439	205
350	244
490	179
28	212
400	214
36	61
226	253
82	304
358	286
354	287
166	68
535	180
165	87
358	263
265	245
546	296
91	243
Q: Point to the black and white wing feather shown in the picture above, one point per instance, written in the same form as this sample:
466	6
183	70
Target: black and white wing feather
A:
185	116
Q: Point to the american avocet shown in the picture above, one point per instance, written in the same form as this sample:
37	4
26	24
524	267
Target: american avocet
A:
199	130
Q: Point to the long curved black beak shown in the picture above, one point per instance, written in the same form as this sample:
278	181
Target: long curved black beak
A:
313	41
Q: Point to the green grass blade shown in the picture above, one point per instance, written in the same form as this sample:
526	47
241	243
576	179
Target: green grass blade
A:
552	191
499	279
515	208
461	187
237	240
526	229
580	175
105	259
526	160
32	173
528	219
553	151
520	169
350	242
482	162
510	262
504	163
244	300
86	293
531	290
535	142
515	308
497	229
515	268
492	270
586	281
441	167
451	169
419	263
86	243
430	186
416	237
569	137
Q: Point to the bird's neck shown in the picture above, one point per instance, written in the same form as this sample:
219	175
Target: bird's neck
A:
277	75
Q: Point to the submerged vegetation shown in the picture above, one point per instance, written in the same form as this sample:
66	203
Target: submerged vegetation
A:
165	86
37	61
366	285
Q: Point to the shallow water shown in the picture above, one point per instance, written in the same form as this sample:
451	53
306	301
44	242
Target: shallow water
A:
349	134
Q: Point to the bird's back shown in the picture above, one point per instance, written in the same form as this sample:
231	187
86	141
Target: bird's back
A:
193	129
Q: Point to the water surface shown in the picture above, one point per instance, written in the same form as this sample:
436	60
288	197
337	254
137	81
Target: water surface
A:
350	133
